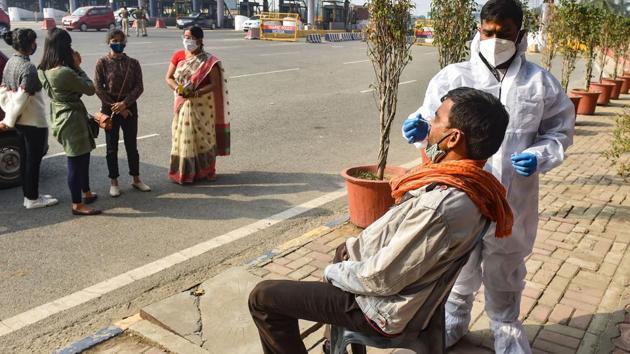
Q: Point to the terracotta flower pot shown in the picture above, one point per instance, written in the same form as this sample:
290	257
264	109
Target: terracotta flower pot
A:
368	200
626	84
614	94
604	89
587	103
576	101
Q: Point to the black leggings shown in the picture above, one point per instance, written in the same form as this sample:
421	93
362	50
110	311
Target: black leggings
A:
79	176
32	147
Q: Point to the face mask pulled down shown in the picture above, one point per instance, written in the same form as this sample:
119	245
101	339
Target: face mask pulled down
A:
497	51
190	45
434	153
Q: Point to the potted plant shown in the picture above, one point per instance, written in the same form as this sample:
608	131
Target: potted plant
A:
605	40
547	28
626	52
369	193
569	34
592	22
617	45
452	22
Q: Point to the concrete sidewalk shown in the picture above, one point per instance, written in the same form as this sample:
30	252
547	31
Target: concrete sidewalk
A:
577	283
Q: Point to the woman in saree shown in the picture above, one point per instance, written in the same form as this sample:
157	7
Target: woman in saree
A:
200	130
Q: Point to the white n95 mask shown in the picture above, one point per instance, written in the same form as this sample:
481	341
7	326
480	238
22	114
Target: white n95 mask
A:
496	50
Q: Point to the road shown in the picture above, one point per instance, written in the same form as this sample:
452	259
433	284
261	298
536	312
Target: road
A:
300	113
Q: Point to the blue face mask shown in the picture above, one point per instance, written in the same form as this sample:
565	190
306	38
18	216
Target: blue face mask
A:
117	47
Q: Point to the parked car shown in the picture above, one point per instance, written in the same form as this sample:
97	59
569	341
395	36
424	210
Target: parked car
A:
199	19
253	22
90	17
9	148
5	22
119	19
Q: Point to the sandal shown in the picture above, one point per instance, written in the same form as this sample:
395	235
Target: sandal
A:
90	200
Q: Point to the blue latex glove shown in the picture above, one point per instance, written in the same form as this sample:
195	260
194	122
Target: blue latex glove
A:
415	128
525	163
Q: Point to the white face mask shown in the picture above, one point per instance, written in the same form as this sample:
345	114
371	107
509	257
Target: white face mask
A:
496	50
190	44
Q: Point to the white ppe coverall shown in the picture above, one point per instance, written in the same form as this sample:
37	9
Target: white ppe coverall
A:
542	121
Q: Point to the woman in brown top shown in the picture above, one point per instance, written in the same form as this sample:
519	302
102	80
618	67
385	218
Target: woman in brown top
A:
118	82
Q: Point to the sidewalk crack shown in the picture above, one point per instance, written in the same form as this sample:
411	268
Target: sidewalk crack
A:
199	321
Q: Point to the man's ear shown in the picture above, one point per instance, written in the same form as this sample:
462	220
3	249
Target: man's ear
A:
455	139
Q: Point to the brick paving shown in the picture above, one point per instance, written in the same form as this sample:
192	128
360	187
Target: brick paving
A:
578	277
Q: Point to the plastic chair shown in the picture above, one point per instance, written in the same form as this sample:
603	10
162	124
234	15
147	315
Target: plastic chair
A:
431	340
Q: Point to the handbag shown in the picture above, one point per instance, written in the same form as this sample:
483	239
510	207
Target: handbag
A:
94	126
104	120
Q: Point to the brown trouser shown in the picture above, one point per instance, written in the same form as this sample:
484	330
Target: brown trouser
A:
276	306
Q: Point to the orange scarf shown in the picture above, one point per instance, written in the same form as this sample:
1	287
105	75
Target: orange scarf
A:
468	176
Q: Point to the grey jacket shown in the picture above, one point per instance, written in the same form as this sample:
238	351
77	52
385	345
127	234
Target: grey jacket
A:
398	265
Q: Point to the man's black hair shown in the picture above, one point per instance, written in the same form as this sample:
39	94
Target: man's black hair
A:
502	10
481	117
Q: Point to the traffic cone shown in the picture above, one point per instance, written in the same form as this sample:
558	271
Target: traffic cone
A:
49	23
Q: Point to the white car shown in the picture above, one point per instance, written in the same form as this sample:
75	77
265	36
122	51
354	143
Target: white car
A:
119	19
253	22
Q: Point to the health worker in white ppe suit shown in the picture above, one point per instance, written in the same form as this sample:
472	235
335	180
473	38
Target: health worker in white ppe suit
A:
542	120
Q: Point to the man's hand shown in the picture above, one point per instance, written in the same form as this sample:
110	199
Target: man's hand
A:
3	127
525	163
415	128
119	107
125	114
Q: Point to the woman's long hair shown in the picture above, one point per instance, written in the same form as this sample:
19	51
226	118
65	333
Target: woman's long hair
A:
57	50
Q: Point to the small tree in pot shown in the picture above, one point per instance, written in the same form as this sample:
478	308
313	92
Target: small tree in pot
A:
621	41
452	22
591	23
569	33
591	39
606	39
369	196
390	52
547	33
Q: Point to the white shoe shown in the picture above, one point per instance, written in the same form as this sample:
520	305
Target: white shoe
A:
141	187
114	191
50	200
40	202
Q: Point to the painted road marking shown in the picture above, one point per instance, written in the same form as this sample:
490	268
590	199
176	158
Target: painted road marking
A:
102	145
356	62
280	53
400	84
152	64
264	73
80	297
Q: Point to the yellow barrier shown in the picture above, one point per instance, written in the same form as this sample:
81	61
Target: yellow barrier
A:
273	26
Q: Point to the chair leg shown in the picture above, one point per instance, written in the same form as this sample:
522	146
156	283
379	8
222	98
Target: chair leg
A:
336	340
358	348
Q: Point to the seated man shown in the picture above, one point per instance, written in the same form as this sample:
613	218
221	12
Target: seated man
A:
382	280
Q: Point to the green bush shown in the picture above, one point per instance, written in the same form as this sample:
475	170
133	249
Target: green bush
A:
619	151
